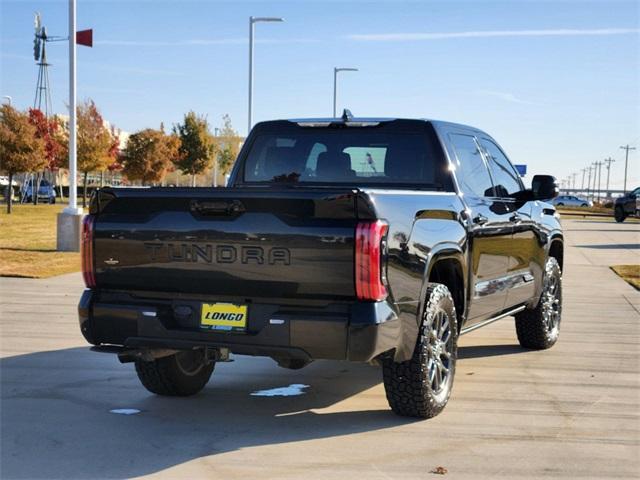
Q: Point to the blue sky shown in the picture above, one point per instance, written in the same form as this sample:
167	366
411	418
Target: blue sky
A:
557	83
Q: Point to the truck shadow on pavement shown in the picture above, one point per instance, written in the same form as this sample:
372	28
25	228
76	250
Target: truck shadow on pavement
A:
56	420
613	246
480	351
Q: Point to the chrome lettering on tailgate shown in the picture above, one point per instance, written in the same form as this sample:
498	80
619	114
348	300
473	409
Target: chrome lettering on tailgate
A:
208	253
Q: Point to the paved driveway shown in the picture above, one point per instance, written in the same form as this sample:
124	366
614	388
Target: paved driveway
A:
572	411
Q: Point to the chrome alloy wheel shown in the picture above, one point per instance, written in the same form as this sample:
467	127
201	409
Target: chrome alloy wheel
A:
551	305
439	346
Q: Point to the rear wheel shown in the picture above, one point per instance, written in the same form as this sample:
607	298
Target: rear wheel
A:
421	386
539	328
619	214
584	205
179	375
559	204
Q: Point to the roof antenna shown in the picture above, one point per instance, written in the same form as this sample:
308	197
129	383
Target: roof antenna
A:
347	116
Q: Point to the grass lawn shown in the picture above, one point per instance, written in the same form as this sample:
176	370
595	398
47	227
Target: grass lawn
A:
630	273
28	243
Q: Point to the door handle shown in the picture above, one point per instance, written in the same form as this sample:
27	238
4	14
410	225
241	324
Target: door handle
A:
515	218
480	219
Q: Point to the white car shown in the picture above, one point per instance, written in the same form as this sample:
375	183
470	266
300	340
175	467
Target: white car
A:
571	201
4	181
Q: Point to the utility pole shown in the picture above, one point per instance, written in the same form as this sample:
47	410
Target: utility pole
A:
626	162
584	170
599	165
595	170
589	168
574	180
608	161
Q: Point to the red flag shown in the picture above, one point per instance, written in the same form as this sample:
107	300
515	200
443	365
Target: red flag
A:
85	37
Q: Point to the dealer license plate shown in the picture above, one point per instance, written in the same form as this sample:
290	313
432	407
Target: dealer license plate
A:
224	316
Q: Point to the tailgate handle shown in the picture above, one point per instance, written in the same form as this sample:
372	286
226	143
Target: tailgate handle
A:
219	207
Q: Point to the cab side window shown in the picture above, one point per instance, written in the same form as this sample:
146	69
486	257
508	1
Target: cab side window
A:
471	171
505	178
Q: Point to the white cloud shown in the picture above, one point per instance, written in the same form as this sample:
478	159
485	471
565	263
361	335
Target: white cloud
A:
565	32
506	96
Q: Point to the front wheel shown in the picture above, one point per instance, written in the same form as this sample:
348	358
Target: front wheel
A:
179	375
420	387
619	214
539	328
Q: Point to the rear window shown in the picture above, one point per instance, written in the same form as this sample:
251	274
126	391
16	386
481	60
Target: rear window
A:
352	155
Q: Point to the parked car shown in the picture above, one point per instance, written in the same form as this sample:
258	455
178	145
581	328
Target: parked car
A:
4	185
46	191
571	201
627	206
370	240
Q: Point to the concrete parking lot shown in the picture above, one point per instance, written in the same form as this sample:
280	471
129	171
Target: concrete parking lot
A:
569	412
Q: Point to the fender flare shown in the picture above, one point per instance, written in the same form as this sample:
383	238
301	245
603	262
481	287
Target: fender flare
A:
443	251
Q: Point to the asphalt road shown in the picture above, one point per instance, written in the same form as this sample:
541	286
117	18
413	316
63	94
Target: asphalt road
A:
569	412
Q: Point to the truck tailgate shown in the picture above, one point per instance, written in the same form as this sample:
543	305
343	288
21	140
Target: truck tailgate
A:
230	242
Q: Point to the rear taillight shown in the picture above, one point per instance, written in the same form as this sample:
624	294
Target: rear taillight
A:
88	266
369	250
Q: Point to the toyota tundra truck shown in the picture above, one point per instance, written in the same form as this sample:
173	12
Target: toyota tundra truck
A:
362	239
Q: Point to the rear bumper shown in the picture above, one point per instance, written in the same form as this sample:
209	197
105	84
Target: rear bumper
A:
355	331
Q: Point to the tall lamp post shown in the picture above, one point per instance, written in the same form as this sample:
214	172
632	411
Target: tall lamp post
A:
72	209
252	22
335	85
69	224
8	97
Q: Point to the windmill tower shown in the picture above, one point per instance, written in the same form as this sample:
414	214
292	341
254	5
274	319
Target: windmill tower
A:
42	100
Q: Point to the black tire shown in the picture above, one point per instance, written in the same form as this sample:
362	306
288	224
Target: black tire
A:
179	375
619	215
584	205
560	204
52	201
412	387
539	328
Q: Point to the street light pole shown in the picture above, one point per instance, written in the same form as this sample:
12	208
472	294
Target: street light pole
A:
252	21
69	221
335	85
626	162
73	193
8	97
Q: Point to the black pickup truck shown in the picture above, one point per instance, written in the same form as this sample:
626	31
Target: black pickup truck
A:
370	240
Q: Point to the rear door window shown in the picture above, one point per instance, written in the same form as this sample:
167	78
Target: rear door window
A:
471	170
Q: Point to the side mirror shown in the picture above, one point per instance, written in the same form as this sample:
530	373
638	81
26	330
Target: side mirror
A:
544	187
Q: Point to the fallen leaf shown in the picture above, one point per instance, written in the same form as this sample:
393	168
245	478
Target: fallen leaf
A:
439	471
